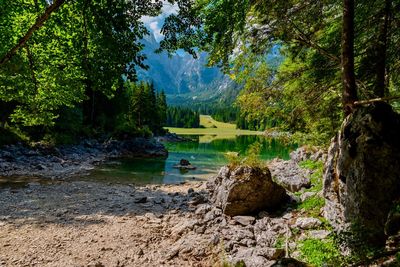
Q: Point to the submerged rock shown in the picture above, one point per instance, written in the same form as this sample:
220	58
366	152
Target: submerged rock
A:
184	164
245	190
362	173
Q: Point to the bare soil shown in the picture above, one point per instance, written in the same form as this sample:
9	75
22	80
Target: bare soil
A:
95	224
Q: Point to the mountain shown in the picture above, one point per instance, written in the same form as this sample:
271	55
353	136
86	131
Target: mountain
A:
181	76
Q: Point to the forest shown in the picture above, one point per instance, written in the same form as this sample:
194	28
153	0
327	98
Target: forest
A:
182	117
61	74
298	164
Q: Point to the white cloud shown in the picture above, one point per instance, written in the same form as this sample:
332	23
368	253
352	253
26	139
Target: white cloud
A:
155	23
156	30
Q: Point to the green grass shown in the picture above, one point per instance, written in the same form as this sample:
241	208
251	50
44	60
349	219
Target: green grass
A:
208	122
280	242
316	177
321	252
213	130
312	205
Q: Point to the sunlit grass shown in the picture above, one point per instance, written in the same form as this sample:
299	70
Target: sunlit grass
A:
213	130
208	122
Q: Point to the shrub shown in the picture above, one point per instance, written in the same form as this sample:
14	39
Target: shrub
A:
251	158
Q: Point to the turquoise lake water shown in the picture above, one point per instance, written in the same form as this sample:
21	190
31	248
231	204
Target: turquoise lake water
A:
208	157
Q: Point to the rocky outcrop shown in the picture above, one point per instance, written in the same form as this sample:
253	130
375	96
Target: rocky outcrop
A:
245	190
362	173
69	160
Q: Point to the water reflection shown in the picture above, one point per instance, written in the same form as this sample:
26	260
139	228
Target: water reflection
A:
208	157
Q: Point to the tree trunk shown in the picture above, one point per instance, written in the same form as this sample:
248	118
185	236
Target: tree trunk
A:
381	51
38	24
348	76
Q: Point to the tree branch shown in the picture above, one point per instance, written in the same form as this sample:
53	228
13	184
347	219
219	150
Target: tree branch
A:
38	24
380	99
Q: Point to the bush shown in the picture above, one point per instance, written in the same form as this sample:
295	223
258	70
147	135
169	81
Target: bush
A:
251	158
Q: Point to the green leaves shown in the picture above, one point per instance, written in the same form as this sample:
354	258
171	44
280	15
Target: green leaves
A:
83	47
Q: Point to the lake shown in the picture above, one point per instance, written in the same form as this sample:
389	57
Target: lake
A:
204	152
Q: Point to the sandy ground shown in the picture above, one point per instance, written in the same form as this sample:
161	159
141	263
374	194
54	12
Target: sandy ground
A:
95	224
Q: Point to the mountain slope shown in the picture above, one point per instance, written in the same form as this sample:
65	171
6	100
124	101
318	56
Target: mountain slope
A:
182	76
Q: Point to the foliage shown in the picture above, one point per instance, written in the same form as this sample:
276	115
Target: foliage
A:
302	93
321	252
312	205
145	111
251	157
182	117
69	75
317	172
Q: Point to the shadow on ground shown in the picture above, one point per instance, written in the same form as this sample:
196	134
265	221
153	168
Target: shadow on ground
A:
84	203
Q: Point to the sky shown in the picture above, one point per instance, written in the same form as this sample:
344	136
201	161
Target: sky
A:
155	23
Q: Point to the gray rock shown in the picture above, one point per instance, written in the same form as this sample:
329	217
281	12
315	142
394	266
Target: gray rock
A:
306	196
244	220
245	190
203	209
319	234
196	199
361	178
270	253
289	175
252	257
307	223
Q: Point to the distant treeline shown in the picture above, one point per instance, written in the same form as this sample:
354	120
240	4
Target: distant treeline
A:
182	117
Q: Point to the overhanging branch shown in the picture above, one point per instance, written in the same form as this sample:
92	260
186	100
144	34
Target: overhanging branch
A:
39	23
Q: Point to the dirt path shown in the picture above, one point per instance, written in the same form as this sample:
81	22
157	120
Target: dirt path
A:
94	224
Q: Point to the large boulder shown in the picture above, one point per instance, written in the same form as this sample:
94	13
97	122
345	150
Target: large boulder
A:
288	174
245	190
362	173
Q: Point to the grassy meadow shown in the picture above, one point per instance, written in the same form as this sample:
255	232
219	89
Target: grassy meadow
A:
213	130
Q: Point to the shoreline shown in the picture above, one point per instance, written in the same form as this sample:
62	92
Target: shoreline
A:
71	160
83	223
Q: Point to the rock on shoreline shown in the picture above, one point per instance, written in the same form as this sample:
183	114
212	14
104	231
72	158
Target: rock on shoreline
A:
69	160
